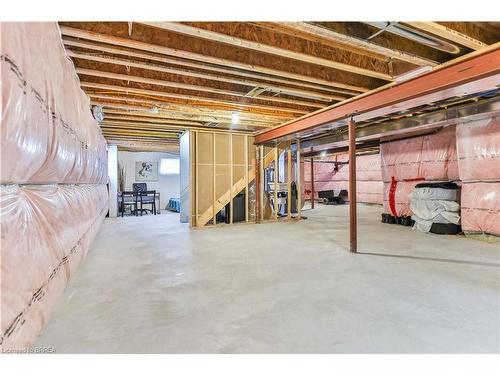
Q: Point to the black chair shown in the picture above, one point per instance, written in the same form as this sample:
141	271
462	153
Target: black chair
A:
129	198
145	198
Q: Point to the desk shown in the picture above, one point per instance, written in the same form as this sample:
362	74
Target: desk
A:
131	200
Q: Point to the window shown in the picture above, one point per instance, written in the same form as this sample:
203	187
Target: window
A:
169	166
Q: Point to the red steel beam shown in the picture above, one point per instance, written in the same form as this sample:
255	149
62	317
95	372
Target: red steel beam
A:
477	65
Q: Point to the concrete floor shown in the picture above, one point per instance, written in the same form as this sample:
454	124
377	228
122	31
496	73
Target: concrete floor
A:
150	285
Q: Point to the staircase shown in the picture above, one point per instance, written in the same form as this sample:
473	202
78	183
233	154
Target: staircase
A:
237	188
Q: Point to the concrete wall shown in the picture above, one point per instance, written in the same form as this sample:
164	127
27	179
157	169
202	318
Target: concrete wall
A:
167	185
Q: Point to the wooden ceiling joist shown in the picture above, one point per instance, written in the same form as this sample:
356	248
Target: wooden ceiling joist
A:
145	147
236	105
139	125
238	42
218	78
158	79
177	124
147	133
143	111
324	33
473	73
174	144
144	120
130	43
201	66
144	140
157	82
215	107
441	31
176	108
192	114
165	104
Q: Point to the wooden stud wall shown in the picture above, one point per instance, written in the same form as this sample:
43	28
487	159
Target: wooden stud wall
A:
224	164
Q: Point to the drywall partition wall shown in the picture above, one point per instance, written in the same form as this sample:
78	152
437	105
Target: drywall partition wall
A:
113	180
332	173
223	167
478	149
185	176
53	178
407	162
168	185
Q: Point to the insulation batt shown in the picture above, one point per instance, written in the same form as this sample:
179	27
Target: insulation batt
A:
478	145
402	200
431	157
366	191
53	175
48	134
481	207
46	230
368	175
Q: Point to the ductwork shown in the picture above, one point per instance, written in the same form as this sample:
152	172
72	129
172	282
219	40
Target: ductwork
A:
415	35
370	135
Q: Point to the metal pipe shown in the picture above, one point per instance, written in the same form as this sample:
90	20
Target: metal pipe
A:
298	183
275	178
258	191
403	127
415	35
352	188
262	182
474	73
289	181
312	183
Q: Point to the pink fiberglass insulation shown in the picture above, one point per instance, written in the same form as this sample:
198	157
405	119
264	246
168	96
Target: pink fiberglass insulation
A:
480	207
478	144
430	157
366	191
326	171
46	231
368	176
401	198
48	134
53	174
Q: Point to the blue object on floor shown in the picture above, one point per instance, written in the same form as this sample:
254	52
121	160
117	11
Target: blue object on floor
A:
174	204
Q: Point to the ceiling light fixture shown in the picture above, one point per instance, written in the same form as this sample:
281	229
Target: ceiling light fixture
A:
235	118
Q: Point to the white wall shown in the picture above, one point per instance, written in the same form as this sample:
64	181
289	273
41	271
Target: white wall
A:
113	181
185	177
167	185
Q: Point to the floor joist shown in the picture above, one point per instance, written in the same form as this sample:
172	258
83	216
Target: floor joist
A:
218	78
236	105
228	39
130	43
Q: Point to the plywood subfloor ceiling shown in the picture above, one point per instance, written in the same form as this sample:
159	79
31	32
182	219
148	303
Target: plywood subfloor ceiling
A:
155	80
